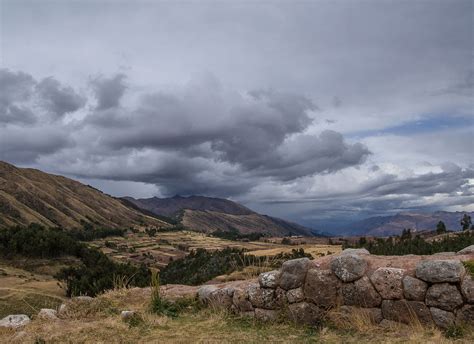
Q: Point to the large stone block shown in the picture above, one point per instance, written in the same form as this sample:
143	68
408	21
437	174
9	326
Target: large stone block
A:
295	295
360	293
305	313
388	282
438	271
351	313
467	250
322	288
15	321
293	273
349	267
442	318
241	301
465	315
467	288
444	295
266	314
406	311
262	297
414	288
221	298
269	279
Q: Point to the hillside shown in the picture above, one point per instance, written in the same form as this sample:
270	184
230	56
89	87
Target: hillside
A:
29	195
206	214
394	225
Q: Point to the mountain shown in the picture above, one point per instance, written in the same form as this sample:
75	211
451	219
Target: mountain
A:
394	225
206	214
29	195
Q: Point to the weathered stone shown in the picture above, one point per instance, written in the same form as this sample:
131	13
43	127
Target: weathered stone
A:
444	295
414	288
349	313
305	313
441	318
280	297
295	295
15	321
465	315
269	279
406	311
266	314
262	297
62	309
83	299
467	288
321	287
127	315
444	254
360	293
48	314
348	267
241	301
467	250
293	273
355	251
204	292
438	271
388	282
221	298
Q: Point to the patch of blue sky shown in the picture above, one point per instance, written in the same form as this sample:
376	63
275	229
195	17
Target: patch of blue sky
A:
421	126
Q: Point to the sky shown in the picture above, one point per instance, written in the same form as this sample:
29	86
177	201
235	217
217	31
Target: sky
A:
314	111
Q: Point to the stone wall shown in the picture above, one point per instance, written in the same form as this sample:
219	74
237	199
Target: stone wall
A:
434	290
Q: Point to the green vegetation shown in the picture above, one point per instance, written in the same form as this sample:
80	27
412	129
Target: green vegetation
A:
234	234
440	228
96	272
407	244
469	265
466	222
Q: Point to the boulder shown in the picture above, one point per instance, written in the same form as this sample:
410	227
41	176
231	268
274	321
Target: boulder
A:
241	301
266	314
204	292
465	315
441	318
355	251
15	321
414	288
305	313
280	297
262	297
349	313
406	312
348	267
293	273
444	295
388	282
467	288
295	295
467	250
269	279
321	287
439	271
360	293
127	315
221	298
48	314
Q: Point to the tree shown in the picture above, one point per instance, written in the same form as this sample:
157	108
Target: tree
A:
440	228
466	222
406	234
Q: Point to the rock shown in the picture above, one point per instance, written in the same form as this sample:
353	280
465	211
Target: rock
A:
360	293
355	251
348	267
266	314
262	297
83	299
444	295
127	315
204	292
467	250
295	295
293	273
349	313
305	313
221	298
406	311
269	279
15	321
241	301
467	288
62	309
414	288
438	271
444	254
465	315
321	287
388	282
280	297
48	314
441	318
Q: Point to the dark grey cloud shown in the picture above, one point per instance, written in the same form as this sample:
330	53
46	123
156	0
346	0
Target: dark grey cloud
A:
58	99
15	89
109	91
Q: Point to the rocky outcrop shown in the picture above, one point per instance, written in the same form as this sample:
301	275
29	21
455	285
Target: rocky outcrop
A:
400	289
15	321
